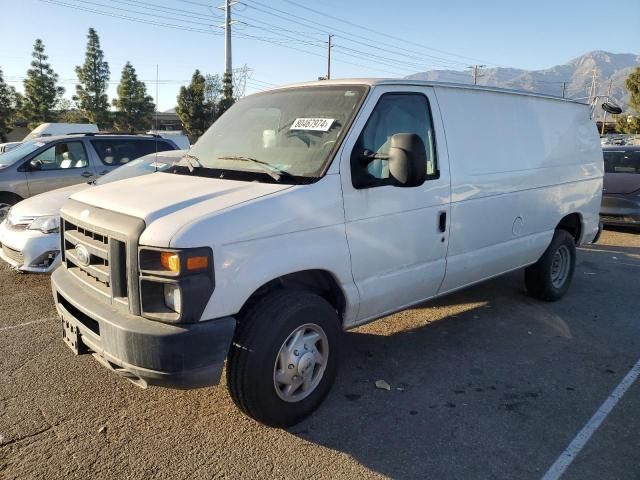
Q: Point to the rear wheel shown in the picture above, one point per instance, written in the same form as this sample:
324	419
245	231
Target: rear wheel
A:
284	357
549	278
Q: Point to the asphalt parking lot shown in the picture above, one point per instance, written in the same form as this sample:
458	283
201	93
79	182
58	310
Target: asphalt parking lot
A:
485	383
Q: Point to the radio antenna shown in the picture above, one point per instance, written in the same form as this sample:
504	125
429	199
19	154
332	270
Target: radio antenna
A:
156	122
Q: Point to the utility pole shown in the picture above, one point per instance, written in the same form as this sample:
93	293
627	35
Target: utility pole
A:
592	90
329	47
604	120
474	73
227	78
564	88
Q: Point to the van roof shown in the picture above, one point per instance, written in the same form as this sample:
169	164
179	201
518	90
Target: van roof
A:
427	83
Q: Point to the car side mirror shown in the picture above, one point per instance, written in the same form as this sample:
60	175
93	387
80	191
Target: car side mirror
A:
612	108
407	160
35	165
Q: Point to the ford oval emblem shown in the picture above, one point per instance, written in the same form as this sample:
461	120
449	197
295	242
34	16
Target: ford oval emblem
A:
83	256
85	213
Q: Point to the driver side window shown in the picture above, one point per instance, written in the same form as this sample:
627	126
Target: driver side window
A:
394	113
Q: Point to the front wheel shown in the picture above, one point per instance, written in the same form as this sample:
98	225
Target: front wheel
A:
284	357
549	278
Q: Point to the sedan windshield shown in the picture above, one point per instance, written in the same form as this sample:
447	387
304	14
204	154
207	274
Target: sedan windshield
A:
283	134
18	153
141	166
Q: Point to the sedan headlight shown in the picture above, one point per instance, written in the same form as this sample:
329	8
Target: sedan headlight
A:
46	224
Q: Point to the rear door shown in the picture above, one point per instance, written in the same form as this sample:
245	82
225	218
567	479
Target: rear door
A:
621	171
59	165
397	236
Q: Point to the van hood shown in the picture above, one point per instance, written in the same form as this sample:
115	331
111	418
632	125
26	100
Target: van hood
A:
150	197
48	203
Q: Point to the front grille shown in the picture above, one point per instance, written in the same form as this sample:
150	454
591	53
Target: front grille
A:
12	254
100	248
94	269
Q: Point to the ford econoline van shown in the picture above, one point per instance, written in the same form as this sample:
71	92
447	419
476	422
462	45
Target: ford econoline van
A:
311	209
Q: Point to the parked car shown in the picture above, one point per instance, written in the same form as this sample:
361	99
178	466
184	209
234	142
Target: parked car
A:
308	210
5	147
621	191
48	163
54	129
29	236
179	138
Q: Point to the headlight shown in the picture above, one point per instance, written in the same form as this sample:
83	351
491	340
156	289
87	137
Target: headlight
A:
173	297
47	224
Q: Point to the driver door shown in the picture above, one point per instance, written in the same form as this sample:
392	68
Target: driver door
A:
397	236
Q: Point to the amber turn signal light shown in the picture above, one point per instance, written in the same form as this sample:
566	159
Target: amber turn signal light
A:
197	263
170	261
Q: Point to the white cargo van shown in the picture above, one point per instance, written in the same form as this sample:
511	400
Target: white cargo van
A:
53	129
307	210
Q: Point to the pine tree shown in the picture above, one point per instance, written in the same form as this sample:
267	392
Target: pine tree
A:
91	92
197	104
133	104
227	94
40	90
8	101
627	122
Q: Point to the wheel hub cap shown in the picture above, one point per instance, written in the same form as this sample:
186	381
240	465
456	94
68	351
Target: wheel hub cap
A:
301	363
560	266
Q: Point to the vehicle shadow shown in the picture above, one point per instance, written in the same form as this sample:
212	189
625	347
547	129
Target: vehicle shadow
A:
469	383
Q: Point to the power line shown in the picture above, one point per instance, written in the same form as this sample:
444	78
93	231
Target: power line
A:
125	17
368	29
349	35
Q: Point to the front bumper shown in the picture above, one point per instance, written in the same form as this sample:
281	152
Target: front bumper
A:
30	250
146	352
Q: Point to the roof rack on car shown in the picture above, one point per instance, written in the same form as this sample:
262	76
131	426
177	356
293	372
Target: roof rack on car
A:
93	134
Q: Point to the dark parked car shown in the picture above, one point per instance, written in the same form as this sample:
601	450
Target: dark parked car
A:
621	193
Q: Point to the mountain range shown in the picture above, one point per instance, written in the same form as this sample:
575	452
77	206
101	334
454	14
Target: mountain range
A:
576	74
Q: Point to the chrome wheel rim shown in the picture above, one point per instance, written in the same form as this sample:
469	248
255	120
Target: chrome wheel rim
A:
560	266
301	363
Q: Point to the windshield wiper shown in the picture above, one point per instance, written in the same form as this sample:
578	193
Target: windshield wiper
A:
271	170
193	162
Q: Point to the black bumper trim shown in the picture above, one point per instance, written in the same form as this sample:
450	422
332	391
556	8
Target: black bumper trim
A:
171	355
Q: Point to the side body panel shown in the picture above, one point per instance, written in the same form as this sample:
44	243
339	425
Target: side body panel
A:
519	164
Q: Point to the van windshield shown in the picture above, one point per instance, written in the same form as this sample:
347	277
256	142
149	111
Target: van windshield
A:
18	153
615	161
292	132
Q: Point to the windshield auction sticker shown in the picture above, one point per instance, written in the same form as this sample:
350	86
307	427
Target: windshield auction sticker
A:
317	124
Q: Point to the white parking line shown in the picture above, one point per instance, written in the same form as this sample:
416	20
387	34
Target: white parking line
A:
33	322
583	436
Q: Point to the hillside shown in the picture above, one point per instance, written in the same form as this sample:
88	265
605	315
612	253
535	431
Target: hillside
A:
576	73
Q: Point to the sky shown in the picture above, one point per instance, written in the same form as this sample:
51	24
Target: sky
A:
284	41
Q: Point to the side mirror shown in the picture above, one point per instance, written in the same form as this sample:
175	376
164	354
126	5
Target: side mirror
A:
35	165
407	160
612	108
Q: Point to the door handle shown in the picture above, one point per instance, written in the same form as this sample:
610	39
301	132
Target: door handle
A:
104	172
442	222
87	174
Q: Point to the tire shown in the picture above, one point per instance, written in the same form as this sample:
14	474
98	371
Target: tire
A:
549	278
254	362
7	200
